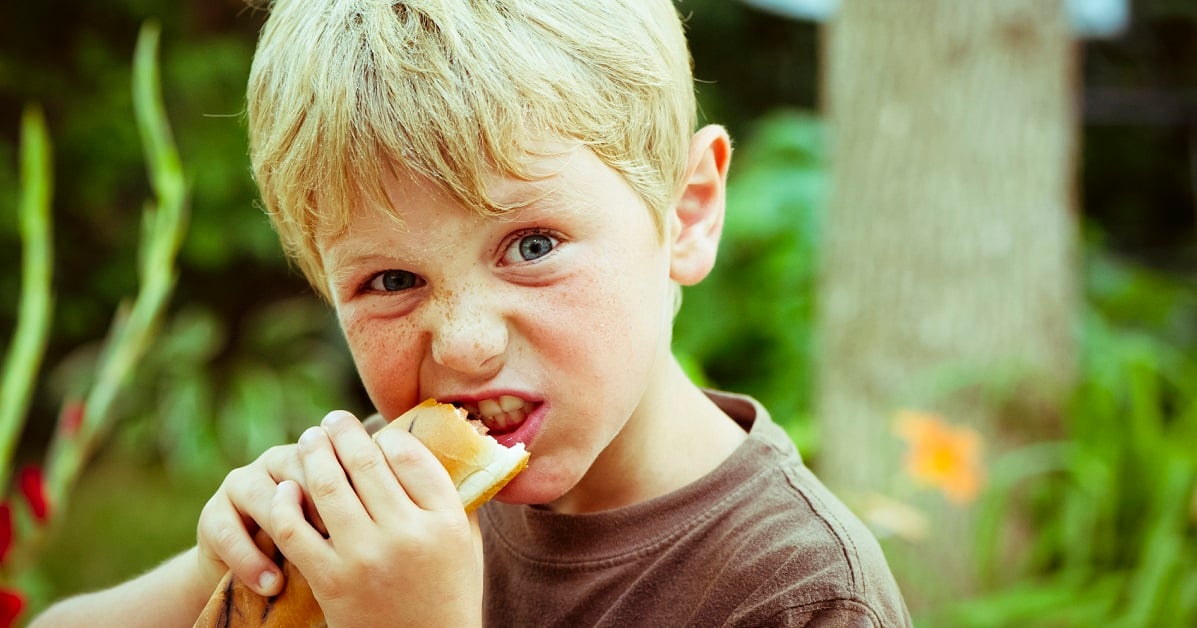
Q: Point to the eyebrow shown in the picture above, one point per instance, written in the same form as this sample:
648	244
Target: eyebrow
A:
344	268
555	200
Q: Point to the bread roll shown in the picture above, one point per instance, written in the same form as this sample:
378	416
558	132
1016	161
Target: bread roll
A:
478	465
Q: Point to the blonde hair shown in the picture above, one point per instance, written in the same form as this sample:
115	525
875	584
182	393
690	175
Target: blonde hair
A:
343	91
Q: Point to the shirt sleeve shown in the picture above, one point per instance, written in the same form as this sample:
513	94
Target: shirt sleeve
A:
373	423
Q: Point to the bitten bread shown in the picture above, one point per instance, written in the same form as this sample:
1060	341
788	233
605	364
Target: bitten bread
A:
478	465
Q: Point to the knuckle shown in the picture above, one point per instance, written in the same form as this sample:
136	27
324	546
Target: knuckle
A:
213	526
372	567
224	539
224	543
285	532
280	456
402	454
323	487
235	477
365	460
205	528
329	584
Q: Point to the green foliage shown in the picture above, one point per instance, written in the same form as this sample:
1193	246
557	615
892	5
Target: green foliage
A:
216	396
76	63
45	488
748	326
133	328
202	395
1113	508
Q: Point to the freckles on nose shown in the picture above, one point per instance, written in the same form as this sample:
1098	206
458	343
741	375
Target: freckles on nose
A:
465	338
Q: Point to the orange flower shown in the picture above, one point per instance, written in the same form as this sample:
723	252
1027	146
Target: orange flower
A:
941	455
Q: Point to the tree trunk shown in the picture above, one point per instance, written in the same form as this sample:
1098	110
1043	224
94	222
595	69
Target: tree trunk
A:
950	255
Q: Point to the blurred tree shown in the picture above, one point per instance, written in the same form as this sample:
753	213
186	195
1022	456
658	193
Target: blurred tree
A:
950	249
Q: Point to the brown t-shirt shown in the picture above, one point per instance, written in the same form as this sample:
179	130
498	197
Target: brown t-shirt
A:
757	542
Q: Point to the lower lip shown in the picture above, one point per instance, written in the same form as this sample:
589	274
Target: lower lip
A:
527	430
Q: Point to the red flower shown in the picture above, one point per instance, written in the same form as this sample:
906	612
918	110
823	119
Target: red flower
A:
11	605
6	534
71	417
33	486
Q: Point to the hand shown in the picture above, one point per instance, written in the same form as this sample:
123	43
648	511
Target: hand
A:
238	510
399	544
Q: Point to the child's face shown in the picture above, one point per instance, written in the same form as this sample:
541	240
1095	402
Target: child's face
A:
558	313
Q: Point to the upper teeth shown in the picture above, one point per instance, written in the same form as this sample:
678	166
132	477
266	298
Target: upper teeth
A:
501	412
505	403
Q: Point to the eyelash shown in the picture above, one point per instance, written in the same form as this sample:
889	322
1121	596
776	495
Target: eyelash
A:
368	285
518	236
511	241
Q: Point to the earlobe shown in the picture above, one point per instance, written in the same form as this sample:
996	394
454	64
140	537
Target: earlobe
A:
696	221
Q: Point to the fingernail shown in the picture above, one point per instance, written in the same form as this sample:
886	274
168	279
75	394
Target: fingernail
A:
266	582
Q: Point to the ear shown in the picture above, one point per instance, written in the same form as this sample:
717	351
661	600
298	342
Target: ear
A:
696	220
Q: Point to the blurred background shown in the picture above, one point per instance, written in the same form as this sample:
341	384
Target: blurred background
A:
960	266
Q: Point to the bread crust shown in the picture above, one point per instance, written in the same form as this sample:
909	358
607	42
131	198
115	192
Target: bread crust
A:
444	430
458	446
462	450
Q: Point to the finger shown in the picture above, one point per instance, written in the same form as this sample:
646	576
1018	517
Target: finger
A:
364	466
302	544
419	473
283	463
327	486
248	491
225	537
280	463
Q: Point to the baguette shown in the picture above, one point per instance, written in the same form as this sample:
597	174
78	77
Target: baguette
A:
478	465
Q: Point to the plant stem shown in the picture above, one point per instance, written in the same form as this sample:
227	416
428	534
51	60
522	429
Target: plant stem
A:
34	314
134	325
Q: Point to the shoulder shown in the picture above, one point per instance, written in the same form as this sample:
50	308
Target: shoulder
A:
810	560
825	567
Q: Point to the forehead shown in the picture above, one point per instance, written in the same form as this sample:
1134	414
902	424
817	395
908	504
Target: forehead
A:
560	178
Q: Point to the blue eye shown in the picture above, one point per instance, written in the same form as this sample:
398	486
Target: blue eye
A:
393	281
535	246
530	247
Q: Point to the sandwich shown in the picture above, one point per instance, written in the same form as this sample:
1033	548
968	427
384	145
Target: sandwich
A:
478	466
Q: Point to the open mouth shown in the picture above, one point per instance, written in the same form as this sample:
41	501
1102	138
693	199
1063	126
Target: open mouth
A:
499	415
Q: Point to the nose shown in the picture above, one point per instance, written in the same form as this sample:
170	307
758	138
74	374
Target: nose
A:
467	336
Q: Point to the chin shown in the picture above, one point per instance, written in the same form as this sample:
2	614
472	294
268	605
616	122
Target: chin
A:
532	488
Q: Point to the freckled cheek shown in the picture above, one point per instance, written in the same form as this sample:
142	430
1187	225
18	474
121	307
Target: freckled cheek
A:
608	309
387	360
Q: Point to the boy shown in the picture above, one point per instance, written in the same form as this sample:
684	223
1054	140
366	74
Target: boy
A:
500	199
